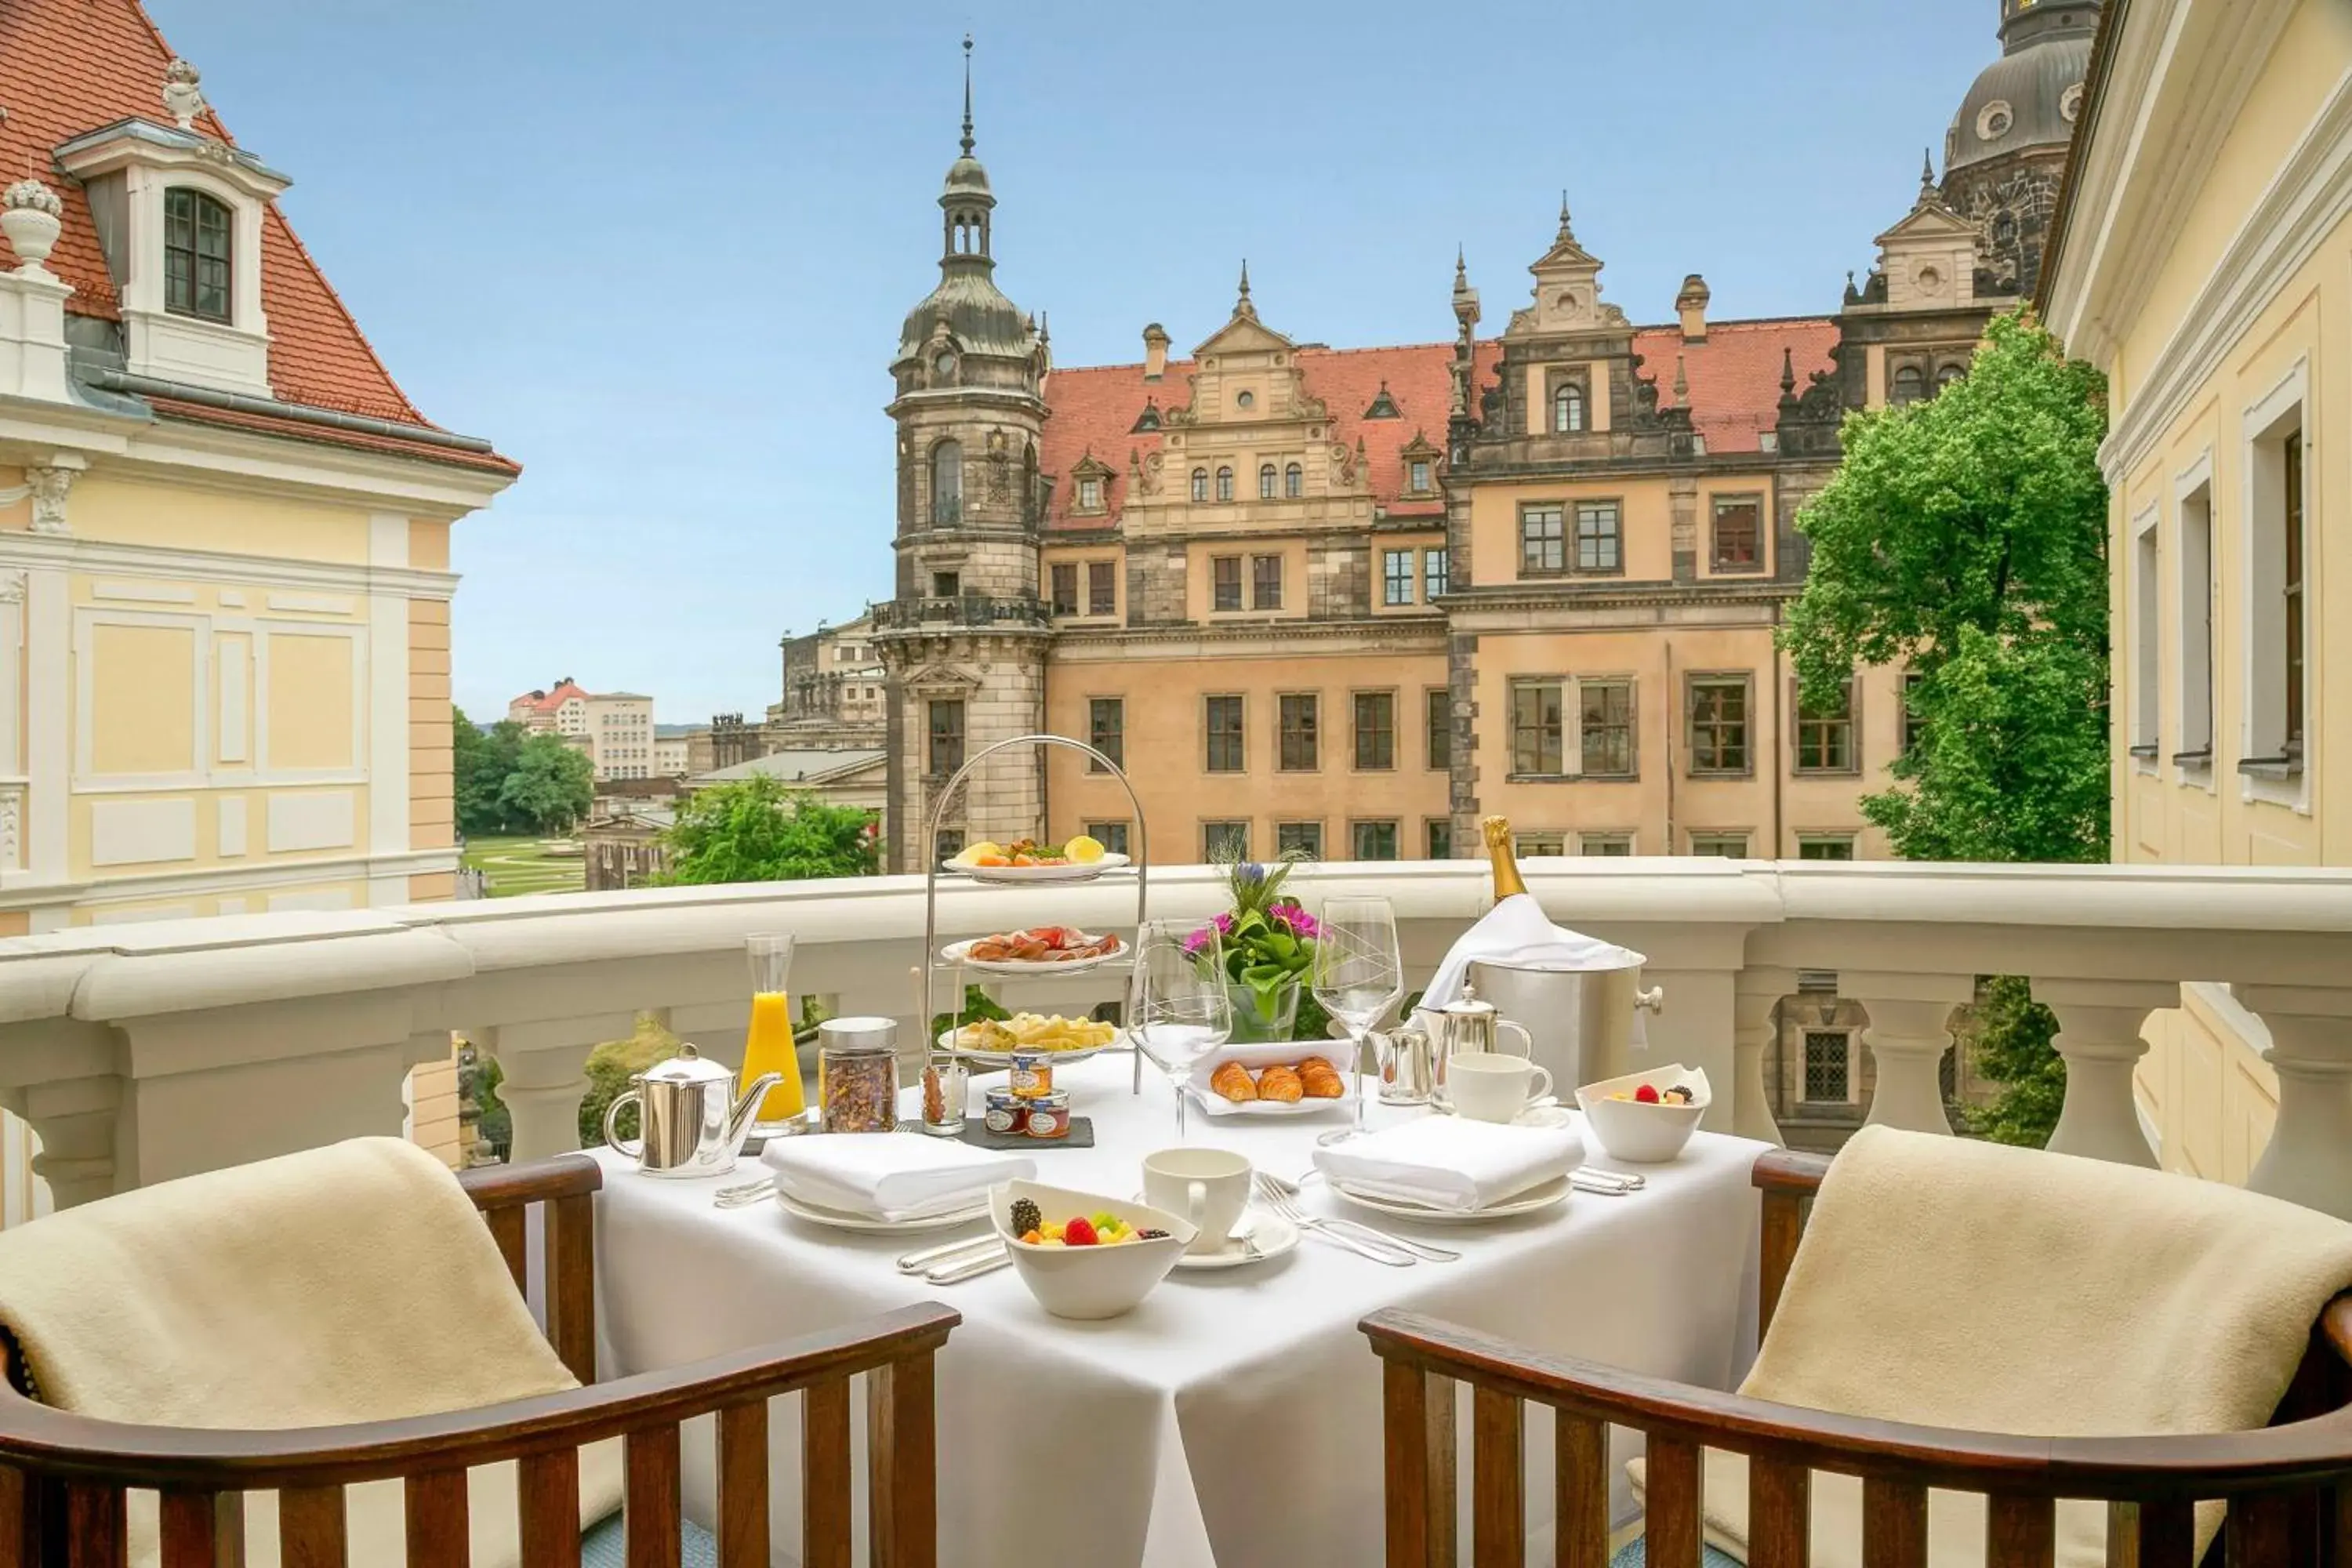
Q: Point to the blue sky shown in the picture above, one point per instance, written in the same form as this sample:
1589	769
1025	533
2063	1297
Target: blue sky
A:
660	253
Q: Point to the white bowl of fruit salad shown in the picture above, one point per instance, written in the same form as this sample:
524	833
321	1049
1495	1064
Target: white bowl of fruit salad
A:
1079	859
1646	1117
1082	1255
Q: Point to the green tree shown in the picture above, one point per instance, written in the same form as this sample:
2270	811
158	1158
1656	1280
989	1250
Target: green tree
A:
1964	538
482	761
551	786
757	830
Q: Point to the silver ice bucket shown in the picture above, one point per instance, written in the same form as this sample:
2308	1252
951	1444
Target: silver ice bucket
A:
1581	1021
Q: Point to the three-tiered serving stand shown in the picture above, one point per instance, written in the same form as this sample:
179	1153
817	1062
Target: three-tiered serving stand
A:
1140	863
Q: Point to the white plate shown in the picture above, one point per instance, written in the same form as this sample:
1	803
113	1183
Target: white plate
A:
1004	1058
1533	1200
960	953
1261	1054
1073	872
1273	1235
835	1219
1216	1104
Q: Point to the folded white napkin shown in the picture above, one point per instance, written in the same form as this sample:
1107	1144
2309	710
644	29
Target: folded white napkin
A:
1452	1163
887	1176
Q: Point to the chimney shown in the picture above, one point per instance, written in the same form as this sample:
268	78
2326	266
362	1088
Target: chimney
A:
1691	306
1155	351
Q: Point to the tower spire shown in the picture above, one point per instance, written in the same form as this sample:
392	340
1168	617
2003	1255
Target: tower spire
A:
1926	168
1564	231
1241	306
967	95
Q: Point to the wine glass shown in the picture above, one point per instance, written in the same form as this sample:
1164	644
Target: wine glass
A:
1358	973
1177	1005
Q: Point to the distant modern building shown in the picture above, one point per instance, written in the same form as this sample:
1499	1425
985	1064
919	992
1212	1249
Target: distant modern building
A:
224	577
616	727
670	756
833	691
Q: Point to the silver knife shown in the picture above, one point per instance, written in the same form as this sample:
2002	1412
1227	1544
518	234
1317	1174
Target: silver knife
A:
930	1258
970	1267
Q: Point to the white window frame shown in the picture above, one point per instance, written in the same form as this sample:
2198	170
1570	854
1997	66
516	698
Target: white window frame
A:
2145	607
2194	671
2286	407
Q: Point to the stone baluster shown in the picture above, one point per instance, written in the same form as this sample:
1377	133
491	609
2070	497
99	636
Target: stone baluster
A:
544	1067
2309	1158
1908	1034
75	1120
2098	1036
1755	1012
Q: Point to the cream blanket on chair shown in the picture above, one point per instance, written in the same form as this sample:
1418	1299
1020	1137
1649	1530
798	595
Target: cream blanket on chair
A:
350	1283
1969	1285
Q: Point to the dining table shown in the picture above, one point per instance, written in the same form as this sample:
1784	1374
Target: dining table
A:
1233	1419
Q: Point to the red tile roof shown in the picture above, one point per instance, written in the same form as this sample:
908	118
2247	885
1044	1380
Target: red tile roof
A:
101	61
1734	376
1734	379
549	701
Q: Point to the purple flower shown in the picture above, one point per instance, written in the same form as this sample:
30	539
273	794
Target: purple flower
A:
1249	875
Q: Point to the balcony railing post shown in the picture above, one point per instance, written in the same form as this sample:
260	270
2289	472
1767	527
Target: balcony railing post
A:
1908	1034
1755	1012
2309	1158
2098	1035
544	1067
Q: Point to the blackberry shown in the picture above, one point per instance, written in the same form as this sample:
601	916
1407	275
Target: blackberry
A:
1150	1235
1026	1216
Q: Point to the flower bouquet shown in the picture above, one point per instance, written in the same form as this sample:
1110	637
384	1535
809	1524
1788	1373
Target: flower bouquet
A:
1268	941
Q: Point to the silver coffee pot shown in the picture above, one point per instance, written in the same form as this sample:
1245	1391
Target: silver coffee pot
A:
1469	1024
687	1124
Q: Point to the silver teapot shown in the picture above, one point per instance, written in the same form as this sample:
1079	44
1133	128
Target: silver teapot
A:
1470	1025
687	1125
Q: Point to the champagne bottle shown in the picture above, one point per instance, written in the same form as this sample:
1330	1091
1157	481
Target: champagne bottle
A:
1497	831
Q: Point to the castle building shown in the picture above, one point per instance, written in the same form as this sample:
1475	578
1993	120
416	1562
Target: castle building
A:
224	577
1346	601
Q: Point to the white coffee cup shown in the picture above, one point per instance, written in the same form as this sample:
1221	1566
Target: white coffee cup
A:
1486	1086
1209	1187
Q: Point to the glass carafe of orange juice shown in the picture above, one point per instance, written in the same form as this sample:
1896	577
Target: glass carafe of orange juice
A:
769	1046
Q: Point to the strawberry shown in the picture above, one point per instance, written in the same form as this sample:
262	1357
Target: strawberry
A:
1080	1232
1646	1094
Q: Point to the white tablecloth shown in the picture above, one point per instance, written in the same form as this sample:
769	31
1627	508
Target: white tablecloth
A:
1235	1418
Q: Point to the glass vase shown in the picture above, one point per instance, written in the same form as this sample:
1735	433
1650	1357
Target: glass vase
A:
1253	1021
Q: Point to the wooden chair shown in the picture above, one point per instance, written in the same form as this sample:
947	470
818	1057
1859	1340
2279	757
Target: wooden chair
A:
2288	1486
63	1477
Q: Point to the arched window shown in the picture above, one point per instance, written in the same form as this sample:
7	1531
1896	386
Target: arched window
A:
1949	374
1294	481
195	253
1567	408
1265	482
1199	484
1907	383
946	482
1225	484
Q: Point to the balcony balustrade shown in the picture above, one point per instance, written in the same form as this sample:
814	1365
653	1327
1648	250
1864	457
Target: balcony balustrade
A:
144	1052
963	611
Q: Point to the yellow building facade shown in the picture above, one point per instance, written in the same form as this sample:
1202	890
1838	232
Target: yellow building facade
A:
2204	263
224	576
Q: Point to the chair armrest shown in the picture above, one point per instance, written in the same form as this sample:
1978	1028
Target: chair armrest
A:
58	1444
2127	1469
540	1181
1788	1171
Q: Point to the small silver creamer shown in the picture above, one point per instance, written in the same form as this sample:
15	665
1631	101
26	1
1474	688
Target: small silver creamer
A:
690	1125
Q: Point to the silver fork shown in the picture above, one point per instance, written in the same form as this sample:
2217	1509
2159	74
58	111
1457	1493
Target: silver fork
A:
1381	1250
1289	1190
742	1196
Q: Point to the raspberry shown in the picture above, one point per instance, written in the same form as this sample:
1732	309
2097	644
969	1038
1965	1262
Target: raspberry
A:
1080	1232
1646	1095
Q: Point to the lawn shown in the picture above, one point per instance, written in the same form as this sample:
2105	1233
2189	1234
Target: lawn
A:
515	866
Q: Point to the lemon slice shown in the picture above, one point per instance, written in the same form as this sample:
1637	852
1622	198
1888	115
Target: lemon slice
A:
1083	850
975	851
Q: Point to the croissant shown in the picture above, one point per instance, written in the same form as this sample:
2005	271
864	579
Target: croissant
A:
1280	1084
1231	1081
1320	1079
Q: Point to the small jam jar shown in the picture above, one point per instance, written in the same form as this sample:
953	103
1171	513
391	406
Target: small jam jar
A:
1049	1115
1008	1113
1033	1074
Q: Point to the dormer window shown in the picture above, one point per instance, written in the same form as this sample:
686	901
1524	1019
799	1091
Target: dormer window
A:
1149	418
1419	477
196	248
1090	495
1568	408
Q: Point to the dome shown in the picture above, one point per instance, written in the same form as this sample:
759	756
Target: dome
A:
2030	97
966	177
982	320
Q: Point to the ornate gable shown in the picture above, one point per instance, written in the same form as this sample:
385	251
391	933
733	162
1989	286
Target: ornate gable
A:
1568	288
1930	259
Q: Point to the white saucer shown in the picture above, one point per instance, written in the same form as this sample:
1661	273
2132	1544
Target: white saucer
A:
1273	1235
1533	1200
835	1219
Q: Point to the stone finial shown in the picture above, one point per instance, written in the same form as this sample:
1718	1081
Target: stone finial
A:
1566	233
30	215
184	98
1242	309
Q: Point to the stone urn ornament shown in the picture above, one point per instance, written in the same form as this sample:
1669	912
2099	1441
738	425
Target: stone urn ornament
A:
30	215
184	94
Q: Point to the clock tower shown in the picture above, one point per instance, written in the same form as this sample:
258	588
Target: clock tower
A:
963	639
